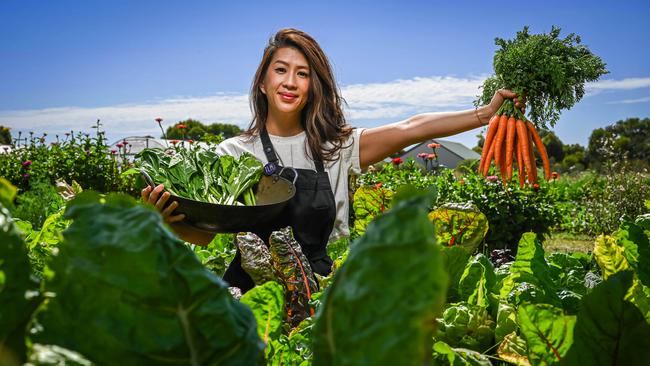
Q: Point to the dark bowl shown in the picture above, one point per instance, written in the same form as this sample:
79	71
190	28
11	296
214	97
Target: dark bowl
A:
272	194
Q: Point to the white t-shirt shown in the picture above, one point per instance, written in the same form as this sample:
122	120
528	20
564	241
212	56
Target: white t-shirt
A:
292	152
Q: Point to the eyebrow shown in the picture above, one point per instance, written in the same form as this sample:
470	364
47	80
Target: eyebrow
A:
287	64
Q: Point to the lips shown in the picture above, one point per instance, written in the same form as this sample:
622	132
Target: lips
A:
289	97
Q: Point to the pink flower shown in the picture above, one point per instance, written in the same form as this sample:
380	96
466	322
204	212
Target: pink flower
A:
159	119
27	163
113	151
492	178
433	145
397	161
26	175
431	156
423	155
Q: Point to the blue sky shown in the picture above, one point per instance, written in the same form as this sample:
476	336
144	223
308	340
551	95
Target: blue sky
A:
66	63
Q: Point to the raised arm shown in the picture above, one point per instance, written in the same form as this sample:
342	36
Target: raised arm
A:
379	142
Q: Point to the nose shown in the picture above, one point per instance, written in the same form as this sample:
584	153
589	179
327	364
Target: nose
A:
290	81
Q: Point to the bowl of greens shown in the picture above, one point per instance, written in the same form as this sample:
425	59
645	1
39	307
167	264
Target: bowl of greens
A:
217	193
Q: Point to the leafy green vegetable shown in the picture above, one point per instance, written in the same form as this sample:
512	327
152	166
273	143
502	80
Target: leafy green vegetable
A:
19	295
202	175
513	349
460	224
506	321
217	254
477	283
368	203
548	332
529	278
549	71
128	291
255	257
382	305
610	330
454	260
294	271
294	349
466	326
51	355
445	355
267	303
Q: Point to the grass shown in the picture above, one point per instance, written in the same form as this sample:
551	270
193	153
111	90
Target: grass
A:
568	243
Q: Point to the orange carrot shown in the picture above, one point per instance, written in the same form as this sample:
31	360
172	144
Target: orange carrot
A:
488	160
498	140
520	164
541	148
522	135
510	145
492	129
532	175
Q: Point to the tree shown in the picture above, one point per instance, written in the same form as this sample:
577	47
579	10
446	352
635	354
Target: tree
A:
191	129
554	146
5	136
625	141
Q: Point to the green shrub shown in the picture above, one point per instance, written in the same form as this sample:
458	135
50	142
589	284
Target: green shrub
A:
79	157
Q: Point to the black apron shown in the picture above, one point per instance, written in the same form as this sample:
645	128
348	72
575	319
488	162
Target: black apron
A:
310	213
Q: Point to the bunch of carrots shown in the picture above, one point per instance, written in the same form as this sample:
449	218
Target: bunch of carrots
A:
511	137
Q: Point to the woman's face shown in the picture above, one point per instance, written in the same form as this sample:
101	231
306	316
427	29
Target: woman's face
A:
286	83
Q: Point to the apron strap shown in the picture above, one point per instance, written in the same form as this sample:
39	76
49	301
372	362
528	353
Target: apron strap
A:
272	157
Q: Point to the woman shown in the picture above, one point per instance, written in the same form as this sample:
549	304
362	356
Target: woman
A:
298	123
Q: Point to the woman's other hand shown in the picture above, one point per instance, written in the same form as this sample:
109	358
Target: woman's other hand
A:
501	95
158	200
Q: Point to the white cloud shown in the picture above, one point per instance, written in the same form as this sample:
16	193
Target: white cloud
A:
631	101
366	103
614	85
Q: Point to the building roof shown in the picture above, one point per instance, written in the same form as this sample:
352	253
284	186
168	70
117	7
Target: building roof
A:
456	148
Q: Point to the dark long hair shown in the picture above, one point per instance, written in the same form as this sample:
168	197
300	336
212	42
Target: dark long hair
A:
322	117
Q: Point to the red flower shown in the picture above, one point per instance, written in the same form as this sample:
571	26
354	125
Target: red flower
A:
190	141
181	126
27	163
113	151
535	186
174	142
433	145
158	119
378	185
431	156
119	146
397	161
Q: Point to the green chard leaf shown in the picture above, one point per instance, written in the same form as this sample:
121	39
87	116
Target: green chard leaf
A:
294	271
128	291
368	203
530	278
477	283
19	292
443	354
255	257
609	329
267	303
548	332
363	319
459	224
